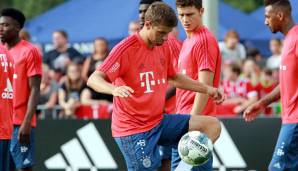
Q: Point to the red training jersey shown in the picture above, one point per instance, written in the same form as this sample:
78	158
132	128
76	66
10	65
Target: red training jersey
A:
28	63
145	70
288	77
6	90
199	52
175	47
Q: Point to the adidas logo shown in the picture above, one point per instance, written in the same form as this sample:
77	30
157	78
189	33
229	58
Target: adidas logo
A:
8	91
226	153
88	151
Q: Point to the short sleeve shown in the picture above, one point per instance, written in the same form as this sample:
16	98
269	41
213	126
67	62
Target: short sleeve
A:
116	64
171	71
175	47
205	54
33	63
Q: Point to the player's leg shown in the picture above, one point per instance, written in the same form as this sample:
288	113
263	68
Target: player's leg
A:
141	151
4	155
206	124
165	153
285	156
22	154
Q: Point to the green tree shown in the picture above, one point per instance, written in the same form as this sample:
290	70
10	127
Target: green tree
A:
32	8
245	5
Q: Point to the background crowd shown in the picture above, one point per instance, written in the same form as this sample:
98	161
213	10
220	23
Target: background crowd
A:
246	77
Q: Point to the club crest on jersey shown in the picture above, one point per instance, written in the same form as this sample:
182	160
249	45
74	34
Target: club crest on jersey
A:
148	80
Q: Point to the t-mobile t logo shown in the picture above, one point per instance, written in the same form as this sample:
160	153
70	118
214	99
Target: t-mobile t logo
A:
4	62
149	81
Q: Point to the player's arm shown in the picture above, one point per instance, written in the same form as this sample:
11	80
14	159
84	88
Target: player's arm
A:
98	82
251	99
170	92
183	82
205	77
25	128
254	110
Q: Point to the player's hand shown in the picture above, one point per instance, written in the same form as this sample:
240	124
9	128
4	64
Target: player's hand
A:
238	109
122	91
217	95
24	133
253	111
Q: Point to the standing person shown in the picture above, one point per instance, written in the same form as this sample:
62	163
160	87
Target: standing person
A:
200	60
26	86
170	104
278	18
136	73
62	55
6	104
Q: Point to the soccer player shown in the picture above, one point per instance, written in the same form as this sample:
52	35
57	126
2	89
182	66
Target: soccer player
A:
6	104
26	88
170	104
200	60
278	18
136	73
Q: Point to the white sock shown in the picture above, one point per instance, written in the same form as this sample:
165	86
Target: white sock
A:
182	166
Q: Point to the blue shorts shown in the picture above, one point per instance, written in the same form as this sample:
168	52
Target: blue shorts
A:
22	156
285	156
141	151
165	152
4	155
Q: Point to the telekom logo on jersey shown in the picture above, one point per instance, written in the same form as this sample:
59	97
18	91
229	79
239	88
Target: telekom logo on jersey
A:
8	91
147	80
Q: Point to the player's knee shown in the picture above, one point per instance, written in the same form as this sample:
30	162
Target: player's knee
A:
215	128
206	124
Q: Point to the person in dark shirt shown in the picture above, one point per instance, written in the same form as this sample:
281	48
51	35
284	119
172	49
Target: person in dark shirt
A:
62	54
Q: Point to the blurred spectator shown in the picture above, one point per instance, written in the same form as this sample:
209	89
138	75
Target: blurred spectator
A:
231	49
25	35
58	58
266	85
240	93
48	93
101	51
255	54
134	27
273	62
70	91
251	71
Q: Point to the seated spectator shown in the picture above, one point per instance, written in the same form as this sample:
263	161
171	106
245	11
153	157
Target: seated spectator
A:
266	85
101	51
58	58
134	27
231	49
48	93
240	93
273	62
255	54
251	71
70	91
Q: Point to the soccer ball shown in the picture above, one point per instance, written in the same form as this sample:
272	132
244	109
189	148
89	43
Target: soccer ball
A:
195	148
